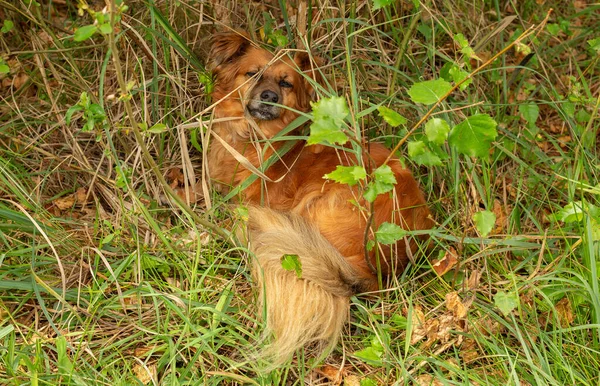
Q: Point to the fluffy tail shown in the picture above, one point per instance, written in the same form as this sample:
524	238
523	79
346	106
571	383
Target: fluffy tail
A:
306	311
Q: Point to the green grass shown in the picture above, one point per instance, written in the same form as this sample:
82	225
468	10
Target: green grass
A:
104	280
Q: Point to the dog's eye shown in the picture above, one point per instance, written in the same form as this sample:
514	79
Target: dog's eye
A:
285	84
251	73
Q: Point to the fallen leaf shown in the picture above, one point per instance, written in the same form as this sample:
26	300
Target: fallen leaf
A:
446	263
565	312
65	202
145	374
468	350
69	201
352	380
427	380
333	373
455	305
419	329
501	218
473	280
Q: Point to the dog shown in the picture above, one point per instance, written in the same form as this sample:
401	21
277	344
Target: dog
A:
293	210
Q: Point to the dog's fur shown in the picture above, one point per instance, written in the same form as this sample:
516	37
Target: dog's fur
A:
317	220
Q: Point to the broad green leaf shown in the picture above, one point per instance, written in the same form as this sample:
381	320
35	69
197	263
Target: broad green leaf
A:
7	26
399	321
84	32
105	28
458	75
506	302
72	110
4	69
437	130
377	4
474	135
347	174
421	154
463	43
65	366
370	355
368	382
530	113
429	92
389	233
574	211
292	263
594	45
158	128
383	182
328	119
391	117
553	28
484	222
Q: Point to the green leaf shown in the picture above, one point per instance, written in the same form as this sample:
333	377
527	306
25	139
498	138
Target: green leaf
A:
474	135
105	28
389	233
463	43
399	321
72	110
429	92
422	155
458	75
391	117
594	45
157	128
437	130
4	69
384	181
7	26
292	263
370	355
347	174
84	32
553	28
530	113
65	366
377	4
328	118
367	382
506	302
484	222
574	211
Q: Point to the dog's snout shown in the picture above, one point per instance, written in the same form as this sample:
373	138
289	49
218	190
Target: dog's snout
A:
269	96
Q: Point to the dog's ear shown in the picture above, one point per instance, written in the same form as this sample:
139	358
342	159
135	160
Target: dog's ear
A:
310	67
227	46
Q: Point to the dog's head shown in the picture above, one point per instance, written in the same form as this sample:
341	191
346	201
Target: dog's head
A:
252	80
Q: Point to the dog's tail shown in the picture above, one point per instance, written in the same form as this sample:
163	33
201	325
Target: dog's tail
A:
305	311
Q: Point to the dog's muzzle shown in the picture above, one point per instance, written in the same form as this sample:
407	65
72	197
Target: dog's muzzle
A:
261	107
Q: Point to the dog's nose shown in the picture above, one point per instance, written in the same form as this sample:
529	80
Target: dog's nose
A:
269	96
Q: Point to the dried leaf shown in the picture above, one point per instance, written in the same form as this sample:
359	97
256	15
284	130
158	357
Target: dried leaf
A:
446	263
333	373
427	380
419	329
455	305
352	380
565	312
473	280
145	374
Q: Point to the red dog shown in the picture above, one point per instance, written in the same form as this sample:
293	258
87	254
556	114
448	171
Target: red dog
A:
308	216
